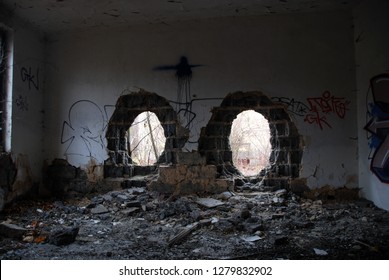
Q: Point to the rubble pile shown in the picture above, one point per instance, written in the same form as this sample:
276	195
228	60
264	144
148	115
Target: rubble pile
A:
135	223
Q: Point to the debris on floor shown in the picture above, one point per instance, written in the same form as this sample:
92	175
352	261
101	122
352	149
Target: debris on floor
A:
135	223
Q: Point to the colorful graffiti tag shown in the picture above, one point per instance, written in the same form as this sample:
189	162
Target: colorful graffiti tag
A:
317	109
378	126
321	107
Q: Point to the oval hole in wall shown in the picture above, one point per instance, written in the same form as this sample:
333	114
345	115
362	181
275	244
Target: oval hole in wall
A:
146	139
250	142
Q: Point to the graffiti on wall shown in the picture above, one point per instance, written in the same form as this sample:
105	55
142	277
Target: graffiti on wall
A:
84	130
323	106
293	106
30	77
378	126
21	103
316	110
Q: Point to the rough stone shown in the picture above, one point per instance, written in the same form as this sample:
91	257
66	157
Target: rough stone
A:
63	236
99	209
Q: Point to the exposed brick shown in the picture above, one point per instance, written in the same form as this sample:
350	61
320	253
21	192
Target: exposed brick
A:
277	114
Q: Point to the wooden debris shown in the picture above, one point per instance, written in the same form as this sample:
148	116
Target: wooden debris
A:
184	233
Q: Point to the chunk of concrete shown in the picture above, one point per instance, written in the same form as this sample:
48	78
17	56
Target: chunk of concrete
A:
209	202
99	209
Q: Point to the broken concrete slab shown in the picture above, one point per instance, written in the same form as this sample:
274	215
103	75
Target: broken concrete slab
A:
99	209
252	238
209	202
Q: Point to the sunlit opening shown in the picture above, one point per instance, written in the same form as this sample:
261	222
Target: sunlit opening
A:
250	143
146	139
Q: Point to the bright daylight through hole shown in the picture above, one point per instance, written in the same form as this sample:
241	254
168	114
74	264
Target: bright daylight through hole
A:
146	139
250	142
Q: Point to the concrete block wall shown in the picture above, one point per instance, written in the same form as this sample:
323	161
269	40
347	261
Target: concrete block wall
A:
127	108
287	145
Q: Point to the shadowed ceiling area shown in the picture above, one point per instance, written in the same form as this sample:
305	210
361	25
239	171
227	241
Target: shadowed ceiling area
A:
60	15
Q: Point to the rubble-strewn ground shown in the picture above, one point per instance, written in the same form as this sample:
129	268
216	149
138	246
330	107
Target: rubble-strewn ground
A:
136	224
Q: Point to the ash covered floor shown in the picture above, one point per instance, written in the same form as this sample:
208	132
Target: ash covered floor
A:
137	224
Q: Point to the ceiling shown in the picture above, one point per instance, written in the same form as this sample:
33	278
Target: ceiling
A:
58	15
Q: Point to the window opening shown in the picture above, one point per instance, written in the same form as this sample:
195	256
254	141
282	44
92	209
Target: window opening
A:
146	139
250	143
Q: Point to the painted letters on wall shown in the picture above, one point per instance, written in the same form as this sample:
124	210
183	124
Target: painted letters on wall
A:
84	130
317	109
378	126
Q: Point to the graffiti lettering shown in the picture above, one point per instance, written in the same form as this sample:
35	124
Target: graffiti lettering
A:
21	103
318	108
321	107
83	131
378	126
296	107
30	78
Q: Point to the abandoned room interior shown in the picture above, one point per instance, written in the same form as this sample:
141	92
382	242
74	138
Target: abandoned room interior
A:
240	129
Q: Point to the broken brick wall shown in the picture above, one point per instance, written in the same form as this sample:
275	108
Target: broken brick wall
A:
127	108
287	146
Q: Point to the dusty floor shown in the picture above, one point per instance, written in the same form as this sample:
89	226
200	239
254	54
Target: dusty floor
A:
135	224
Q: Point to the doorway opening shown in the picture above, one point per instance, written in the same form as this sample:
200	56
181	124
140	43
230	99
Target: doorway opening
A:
146	139
250	143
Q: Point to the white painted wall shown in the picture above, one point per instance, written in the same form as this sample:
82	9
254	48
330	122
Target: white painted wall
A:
27	101
297	56
372	58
